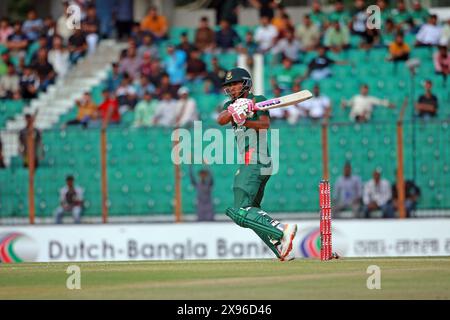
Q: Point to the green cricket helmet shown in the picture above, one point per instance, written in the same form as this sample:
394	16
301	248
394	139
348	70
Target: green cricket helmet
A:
238	75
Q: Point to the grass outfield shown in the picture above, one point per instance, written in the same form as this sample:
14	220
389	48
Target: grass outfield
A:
401	278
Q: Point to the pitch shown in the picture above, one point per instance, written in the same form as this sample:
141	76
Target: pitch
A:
401	278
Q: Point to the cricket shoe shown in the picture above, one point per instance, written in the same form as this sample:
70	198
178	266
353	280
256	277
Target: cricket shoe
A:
286	242
289	257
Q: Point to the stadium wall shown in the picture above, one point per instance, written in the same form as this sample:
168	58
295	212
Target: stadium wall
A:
356	238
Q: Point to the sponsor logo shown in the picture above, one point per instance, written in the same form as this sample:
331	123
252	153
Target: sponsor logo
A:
269	103
309	243
17	247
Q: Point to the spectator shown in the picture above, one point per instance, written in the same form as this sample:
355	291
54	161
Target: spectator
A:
204	185
265	7
318	107
384	12
185	45
214	79
308	34
131	63
419	15
288	47
226	37
347	193
33	49
320	67
145	111
23	140
165	115
126	94
5	30
29	83
77	46
137	34
32	26
265	35
318	17
398	50
62	28
377	195
337	37
389	32
143	85
284	26
108	110
155	23
185	109
401	16
164	86
195	67
249	47
430	33
291	113
114	78
91	28
123	15
204	36
2	161
58	57
156	73
359	18
70	201
175	65
9	83
44	70
226	10
427	105
49	30
441	61
148	46
87	111
362	105
339	14
370	39
286	77
412	195
17	41
279	20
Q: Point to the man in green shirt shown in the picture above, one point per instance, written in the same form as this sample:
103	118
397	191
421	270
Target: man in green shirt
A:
145	111
251	177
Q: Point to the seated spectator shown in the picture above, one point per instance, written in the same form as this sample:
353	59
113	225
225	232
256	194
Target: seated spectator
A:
412	195
185	109
371	38
155	73
389	32
427	105
32	26
62	24
70	201
5	30
49	30
284	27
288	47
137	34
164	86
308	34
143	85
17	41
286	77
29	83
318	107
377	195
265	35
195	67
165	112
155	23
337	37
91	28
276	19
401	16
126	94
9	83
185	44
362	105
175	65
2	161
429	34
131	63
204	36
339	14
44	70
87	111
320	67
58	57
114	78
419	15
226	37
358	24
23	141
144	111
441	61
77	46
318	17
42	42
347	193
108	110
249	46
398	50
214	78
149	47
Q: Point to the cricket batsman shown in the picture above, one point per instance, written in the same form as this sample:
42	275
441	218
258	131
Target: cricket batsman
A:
252	175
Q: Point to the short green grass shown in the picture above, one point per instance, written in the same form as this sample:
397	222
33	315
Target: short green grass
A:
401	278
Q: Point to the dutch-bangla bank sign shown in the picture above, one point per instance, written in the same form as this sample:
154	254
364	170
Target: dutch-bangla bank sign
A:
353	238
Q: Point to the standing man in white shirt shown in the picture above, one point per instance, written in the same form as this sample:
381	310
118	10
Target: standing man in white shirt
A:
318	107
185	109
377	195
430	33
362	105
265	35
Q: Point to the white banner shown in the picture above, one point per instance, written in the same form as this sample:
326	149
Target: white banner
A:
352	238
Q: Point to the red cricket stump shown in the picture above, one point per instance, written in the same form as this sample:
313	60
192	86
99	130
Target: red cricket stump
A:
325	221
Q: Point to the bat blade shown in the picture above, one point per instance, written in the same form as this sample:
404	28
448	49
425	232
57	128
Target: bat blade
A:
284	101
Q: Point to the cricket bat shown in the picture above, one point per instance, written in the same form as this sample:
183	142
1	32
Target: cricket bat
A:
284	101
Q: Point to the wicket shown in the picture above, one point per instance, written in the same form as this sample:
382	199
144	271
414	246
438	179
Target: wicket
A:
325	221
